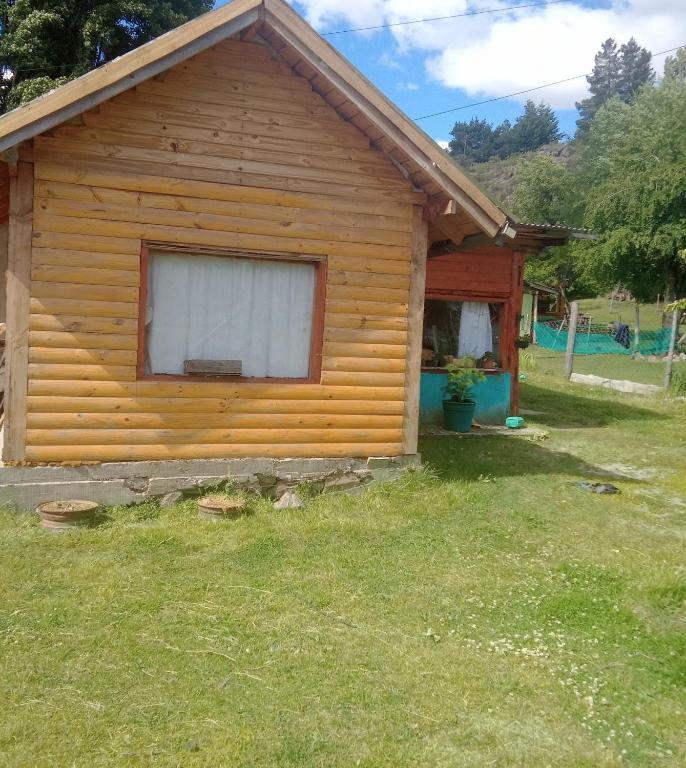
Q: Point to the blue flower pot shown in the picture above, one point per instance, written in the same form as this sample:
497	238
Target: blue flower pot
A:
458	417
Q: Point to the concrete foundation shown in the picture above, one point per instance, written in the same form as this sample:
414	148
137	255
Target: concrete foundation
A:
117	483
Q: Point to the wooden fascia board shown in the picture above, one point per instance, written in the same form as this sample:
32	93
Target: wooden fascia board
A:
124	73
376	108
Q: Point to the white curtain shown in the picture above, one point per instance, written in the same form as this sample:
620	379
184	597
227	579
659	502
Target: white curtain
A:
476	335
222	308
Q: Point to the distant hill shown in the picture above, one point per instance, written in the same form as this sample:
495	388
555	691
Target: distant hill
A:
497	177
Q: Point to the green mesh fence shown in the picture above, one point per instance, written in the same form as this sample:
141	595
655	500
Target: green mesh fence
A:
600	340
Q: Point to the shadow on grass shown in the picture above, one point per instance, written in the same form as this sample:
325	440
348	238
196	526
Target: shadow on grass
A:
563	410
479	458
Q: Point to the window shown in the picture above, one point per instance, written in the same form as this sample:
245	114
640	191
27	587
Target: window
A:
255	315
454	329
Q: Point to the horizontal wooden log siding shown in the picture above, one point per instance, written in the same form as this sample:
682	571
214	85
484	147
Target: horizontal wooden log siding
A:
228	150
485	272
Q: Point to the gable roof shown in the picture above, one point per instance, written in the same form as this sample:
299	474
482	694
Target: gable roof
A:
460	208
417	156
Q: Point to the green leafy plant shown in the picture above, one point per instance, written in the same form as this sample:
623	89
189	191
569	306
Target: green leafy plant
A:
678	383
460	382
527	360
523	341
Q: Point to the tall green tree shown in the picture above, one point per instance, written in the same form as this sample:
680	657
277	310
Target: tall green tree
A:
471	140
44	43
536	127
478	141
634	173
635	69
603	83
675	66
615	73
547	191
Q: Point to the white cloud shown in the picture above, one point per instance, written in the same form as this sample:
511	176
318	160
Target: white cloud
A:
389	61
495	54
442	144
407	86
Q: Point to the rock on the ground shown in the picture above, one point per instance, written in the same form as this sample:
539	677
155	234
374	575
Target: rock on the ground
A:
289	500
173	497
341	483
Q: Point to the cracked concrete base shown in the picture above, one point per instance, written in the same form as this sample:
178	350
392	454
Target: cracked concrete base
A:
118	483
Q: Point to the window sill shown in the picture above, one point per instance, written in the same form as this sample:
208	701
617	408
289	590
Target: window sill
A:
228	380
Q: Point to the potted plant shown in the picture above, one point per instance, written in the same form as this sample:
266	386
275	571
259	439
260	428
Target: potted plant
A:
522	342
458	407
488	361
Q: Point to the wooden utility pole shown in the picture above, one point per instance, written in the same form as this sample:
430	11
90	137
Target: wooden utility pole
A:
571	338
672	345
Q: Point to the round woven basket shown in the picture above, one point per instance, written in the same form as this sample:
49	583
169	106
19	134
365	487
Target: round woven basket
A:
64	515
220	508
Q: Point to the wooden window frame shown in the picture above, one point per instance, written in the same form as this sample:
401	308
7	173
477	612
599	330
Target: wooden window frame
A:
462	296
318	307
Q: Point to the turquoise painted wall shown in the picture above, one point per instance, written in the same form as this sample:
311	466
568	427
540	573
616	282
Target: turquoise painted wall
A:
492	398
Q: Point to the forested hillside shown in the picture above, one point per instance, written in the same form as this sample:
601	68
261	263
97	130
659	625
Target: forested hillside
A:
499	176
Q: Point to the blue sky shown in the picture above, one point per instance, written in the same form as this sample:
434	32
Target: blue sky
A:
430	67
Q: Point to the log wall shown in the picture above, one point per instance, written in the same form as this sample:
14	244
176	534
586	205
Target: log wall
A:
228	150
4	235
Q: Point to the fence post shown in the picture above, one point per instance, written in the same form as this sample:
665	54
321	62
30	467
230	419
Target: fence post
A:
571	338
637	331
672	345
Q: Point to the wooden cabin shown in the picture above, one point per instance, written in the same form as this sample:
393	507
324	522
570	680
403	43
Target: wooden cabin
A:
217	247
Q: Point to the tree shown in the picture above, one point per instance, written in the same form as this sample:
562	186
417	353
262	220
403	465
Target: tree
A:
634	171
478	141
502	143
675	66
615	73
471	140
603	83
536	127
547	191
44	43
635	69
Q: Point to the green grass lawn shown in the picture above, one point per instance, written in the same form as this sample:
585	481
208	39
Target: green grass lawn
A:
484	612
552	363
622	311
610	366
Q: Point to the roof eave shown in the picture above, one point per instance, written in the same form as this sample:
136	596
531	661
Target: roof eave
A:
402	131
155	57
48	112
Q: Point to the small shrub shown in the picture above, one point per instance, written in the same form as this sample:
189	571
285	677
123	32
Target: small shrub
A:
527	360
678	386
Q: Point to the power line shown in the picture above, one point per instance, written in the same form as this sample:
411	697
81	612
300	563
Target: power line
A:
443	18
366	29
526	90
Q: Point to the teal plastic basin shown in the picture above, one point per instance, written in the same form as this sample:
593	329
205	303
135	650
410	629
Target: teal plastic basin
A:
514	422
